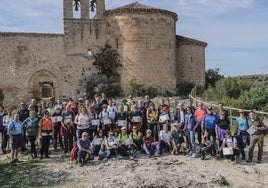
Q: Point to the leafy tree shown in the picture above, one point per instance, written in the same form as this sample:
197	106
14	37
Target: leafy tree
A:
107	61
135	89
245	84
227	87
255	98
212	76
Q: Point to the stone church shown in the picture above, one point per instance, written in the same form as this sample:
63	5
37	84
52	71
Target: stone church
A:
41	65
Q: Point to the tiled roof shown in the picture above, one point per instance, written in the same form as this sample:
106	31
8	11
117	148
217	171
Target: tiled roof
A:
137	7
181	40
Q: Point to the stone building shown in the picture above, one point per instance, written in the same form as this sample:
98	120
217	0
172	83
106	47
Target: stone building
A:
35	65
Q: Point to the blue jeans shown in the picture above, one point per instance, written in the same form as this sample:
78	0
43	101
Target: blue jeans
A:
191	139
81	156
155	148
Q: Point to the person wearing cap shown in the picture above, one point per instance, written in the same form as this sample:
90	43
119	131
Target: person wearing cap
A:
125	142
179	140
84	152
149	146
209	126
111	147
164	117
257	137
241	132
46	131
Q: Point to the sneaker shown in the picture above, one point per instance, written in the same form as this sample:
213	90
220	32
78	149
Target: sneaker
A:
119	157
249	160
190	153
258	161
156	154
47	156
131	157
16	160
12	161
80	164
194	155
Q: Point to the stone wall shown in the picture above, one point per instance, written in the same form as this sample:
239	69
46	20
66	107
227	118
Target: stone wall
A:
191	64
146	43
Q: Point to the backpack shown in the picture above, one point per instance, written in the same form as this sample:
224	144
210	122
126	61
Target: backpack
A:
73	155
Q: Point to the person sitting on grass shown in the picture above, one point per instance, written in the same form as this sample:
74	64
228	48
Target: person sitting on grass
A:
84	153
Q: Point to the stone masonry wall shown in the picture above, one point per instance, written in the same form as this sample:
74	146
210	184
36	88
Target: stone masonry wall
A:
191	64
146	43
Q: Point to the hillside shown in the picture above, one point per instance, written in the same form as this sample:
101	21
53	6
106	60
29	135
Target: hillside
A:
261	79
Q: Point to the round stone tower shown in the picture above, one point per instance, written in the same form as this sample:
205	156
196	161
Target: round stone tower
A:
146	40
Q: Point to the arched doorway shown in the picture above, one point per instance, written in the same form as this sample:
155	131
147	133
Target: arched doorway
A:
43	84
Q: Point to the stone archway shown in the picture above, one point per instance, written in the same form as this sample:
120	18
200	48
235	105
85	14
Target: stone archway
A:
43	84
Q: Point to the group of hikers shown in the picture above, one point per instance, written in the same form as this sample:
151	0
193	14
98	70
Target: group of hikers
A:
101	128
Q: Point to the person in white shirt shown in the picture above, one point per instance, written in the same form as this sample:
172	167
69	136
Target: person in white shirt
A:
165	139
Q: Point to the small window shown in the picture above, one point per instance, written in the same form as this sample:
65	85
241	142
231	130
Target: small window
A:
191	59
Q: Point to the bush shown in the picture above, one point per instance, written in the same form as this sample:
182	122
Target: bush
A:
135	89
183	89
110	90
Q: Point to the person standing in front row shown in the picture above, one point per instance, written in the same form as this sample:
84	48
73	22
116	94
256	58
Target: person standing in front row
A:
256	137
46	130
241	132
15	131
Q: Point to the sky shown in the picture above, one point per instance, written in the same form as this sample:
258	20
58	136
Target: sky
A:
236	30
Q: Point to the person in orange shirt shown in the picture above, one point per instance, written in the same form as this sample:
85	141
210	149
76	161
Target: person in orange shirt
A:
199	113
46	131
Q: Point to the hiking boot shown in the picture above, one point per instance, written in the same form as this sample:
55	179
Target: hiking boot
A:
41	157
47	156
16	160
249	160
80	164
12	161
258	161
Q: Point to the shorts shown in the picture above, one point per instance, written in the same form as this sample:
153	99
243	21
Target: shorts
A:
16	141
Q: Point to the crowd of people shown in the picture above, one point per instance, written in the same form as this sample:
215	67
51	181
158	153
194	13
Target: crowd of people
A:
101	128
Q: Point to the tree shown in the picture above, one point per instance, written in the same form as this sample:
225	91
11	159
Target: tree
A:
107	61
212	76
256	98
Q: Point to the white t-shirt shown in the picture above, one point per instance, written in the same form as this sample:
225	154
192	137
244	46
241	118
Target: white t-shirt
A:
167	136
230	141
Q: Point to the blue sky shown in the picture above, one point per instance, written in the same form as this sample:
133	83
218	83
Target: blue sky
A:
235	30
